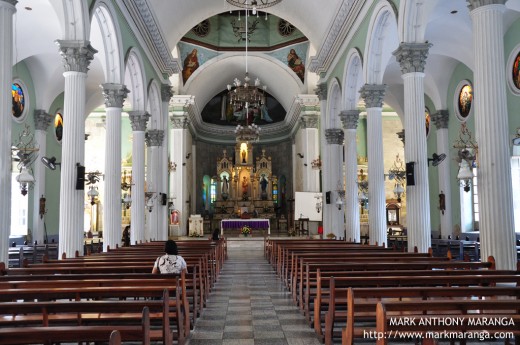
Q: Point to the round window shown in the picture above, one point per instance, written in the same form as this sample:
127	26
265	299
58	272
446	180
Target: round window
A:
18	100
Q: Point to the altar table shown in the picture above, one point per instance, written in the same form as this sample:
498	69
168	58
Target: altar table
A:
254	224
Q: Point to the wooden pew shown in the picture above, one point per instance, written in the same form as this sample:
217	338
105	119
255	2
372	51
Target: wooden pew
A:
421	317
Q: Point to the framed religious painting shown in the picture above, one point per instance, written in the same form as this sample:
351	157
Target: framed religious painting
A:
58	126
513	71
463	100
19	101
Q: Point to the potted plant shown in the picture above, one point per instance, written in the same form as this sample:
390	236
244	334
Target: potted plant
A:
246	230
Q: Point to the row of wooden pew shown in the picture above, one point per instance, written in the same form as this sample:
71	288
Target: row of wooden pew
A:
350	291
86	298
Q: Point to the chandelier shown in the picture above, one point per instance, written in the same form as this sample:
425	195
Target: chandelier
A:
243	95
253	5
398	173
248	133
25	152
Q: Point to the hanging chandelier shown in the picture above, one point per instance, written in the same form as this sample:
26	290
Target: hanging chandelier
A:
253	5
249	133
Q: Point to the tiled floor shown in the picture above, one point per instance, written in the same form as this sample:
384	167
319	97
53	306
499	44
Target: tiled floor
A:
249	305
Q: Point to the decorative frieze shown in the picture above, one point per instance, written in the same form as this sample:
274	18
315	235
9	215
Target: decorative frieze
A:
441	119
334	136
76	55
309	121
42	120
114	94
321	91
179	122
412	56
349	118
473	4
138	119
154	137
373	94
166	92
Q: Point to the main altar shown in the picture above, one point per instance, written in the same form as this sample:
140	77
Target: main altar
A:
246	185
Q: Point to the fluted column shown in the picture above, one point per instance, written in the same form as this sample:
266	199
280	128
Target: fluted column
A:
76	58
321	92
7	10
497	233
349	119
154	140
138	119
41	122
115	95
334	137
373	95
441	120
412	58
166	95
311	177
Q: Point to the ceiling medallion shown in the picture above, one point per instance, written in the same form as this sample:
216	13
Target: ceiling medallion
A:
253	4
285	28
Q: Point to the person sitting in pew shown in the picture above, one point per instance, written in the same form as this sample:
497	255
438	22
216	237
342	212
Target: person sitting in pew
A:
171	262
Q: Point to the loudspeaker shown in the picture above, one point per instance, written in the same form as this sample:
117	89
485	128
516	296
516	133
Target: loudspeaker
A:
80	179
327	197
410	173
164	200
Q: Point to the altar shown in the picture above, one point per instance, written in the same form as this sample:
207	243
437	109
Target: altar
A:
254	224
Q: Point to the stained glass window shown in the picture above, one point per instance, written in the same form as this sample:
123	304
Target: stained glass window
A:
58	126
18	100
516	71
427	119
465	100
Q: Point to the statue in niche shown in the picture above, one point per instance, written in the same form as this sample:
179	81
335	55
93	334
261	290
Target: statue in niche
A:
225	188
263	186
244	156
245	184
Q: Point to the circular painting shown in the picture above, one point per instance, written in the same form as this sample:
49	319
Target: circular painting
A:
465	100
516	71
427	119
18	100
58	126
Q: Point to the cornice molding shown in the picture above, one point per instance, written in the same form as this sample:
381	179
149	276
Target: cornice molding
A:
338	31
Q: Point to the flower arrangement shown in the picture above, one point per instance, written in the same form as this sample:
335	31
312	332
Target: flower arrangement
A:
246	230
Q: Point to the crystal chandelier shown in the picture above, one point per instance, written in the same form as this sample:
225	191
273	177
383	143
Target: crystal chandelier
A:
253	5
243	95
248	133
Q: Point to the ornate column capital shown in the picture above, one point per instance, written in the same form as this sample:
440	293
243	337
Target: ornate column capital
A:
401	135
114	94
412	56
76	55
154	137
334	136
42	119
321	91
166	92
474	4
138	119
309	121
180	122
373	94
441	119
349	118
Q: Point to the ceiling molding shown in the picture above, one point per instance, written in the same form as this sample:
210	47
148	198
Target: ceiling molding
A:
240	49
336	34
146	24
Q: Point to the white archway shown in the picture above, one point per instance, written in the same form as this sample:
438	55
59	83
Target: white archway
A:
134	79
352	80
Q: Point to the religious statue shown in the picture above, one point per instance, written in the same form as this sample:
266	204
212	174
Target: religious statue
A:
225	188
263	186
244	187
243	156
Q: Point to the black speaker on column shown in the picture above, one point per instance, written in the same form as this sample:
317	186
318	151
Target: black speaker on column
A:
327	197
80	179
164	199
410	174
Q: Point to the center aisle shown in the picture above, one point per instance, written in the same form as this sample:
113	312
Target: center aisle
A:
249	304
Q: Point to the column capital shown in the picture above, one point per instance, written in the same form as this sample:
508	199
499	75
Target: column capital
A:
441	119
401	135
114	94
166	92
412	56
373	94
154	137
180	122
309	121
76	55
321	91
10	2
138	119
349	118
334	136
474	4
42	119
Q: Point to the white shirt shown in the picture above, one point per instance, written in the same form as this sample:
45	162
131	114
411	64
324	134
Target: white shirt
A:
170	264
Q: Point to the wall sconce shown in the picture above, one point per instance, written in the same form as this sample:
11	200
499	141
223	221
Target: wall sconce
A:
25	153
149	200
467	150
92	179
363	190
341	196
300	155
24	179
398	173
319	203
92	194
398	191
127	200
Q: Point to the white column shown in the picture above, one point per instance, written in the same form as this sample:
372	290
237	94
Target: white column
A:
321	92
76	58
293	154
441	119
179	124
334	137
138	119
311	151
41	123
193	162
350	118
115	95
7	10
412	58
154	140
373	96
497	233
166	94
